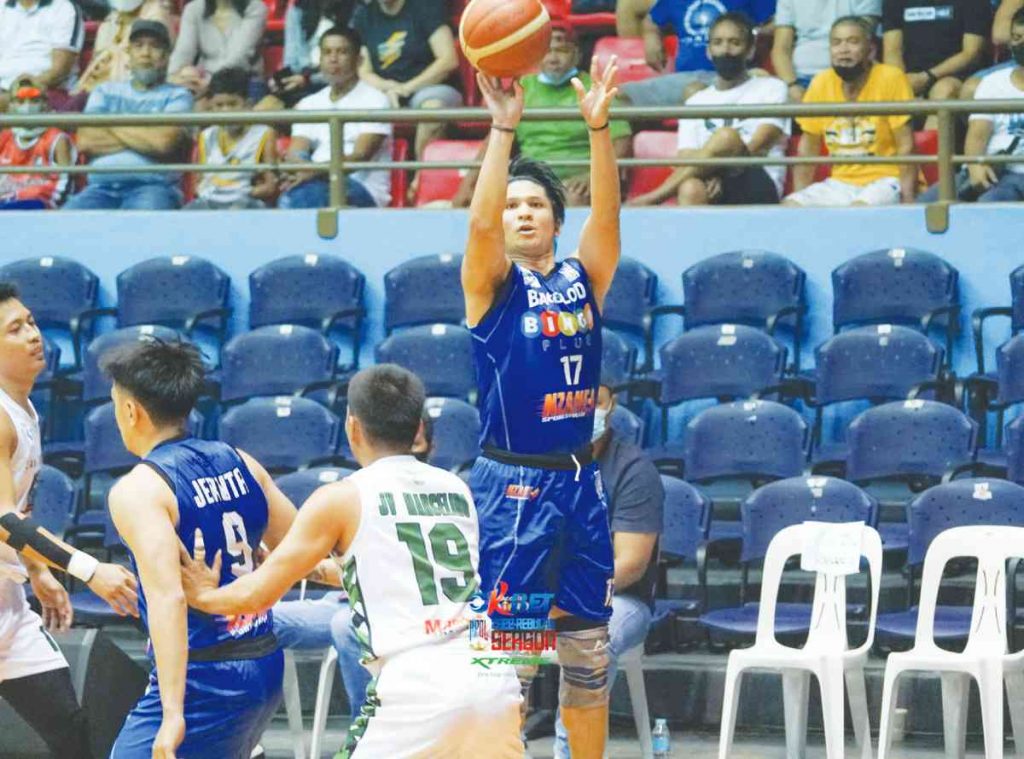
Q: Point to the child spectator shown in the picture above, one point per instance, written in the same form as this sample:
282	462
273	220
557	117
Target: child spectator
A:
232	144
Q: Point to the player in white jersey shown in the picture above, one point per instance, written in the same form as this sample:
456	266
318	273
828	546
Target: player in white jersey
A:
406	536
34	676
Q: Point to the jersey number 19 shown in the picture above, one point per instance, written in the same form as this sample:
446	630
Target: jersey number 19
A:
448	549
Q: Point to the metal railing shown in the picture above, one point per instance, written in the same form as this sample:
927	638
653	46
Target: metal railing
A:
337	167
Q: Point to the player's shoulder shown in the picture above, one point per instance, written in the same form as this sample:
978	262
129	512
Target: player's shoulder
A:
142	484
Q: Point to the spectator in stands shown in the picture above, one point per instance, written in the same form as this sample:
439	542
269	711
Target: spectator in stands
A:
800	45
996	133
339	61
730	46
33	146
304	23
215	35
854	77
691	20
938	44
552	140
133	146
109	61
41	38
234	144
1001	23
409	54
636	502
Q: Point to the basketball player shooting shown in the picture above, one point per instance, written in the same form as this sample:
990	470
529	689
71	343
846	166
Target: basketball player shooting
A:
536	325
34	676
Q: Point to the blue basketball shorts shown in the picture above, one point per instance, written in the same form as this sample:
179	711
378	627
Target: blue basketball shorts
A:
227	706
545	531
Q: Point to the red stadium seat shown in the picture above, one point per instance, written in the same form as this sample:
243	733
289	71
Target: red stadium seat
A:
651	145
630	51
272	58
926	142
558	9
442	184
399	177
593	22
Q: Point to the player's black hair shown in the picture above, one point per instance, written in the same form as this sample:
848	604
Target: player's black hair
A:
165	377
388	402
740	19
353	37
428	435
230	81
863	23
8	291
540	173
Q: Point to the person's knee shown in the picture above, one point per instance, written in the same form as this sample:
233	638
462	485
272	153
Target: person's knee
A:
431	103
969	88
947	88
692	192
584	658
726	141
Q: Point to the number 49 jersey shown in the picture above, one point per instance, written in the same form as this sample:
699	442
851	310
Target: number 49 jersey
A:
411	567
217	495
538	362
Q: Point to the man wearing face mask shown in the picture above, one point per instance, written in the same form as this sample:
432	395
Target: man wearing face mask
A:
636	501
33	146
146	92
854	77
730	45
555	140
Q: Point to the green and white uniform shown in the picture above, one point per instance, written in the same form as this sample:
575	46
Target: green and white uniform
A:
410	572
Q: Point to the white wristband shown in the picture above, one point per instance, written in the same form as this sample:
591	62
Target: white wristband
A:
82	566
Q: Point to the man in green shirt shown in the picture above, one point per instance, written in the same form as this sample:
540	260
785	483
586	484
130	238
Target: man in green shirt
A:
556	140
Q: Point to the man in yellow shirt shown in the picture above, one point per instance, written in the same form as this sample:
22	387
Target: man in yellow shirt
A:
854	77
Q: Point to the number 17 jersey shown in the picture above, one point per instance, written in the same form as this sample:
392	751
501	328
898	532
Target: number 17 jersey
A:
411	567
537	354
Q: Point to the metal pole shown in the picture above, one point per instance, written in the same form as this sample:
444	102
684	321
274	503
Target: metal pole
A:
336	173
947	171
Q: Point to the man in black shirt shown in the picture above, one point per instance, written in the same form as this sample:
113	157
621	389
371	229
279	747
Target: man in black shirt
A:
636	501
939	43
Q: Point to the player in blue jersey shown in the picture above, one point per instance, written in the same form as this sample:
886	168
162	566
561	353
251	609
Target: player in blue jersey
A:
536	326
217	679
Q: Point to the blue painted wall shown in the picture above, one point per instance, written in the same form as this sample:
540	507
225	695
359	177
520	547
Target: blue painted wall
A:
983	242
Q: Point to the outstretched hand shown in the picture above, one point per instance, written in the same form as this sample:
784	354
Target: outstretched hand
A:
596	102
504	103
196	577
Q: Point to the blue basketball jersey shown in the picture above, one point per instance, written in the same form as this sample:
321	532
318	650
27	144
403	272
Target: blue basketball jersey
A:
218	495
538	362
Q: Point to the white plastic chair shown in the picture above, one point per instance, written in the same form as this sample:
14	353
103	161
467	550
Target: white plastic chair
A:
323	700
631	663
985	657
293	705
826	653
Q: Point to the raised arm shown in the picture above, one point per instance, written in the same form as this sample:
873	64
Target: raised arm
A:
141	505
600	244
485	265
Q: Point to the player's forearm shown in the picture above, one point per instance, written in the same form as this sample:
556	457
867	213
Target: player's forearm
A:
485	211
39	547
628	571
170	646
246	595
605	194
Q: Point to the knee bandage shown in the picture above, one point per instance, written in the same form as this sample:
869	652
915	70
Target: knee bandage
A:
584	658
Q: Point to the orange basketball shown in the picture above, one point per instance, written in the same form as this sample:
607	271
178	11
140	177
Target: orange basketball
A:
505	38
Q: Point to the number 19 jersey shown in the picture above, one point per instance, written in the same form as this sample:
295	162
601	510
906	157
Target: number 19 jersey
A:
538	362
412	565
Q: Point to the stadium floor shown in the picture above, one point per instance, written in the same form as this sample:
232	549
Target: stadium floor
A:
277	744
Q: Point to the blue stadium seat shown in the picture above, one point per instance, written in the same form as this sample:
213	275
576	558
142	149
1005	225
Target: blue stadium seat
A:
988	393
631	296
440	354
270	361
911	443
1015	450
618	358
300	485
283	434
186	293
772	290
424	290
897	286
740	446
976	501
456	432
321	291
1015	312
766	511
53	500
687	519
877	364
61	293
